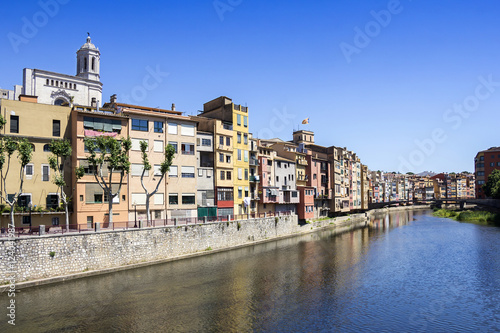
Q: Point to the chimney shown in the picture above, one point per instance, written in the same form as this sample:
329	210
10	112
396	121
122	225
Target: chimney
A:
173	106
112	99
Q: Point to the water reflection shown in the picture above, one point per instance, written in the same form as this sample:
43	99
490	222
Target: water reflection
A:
394	275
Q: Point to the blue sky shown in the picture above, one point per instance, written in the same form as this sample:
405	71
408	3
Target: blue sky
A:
382	78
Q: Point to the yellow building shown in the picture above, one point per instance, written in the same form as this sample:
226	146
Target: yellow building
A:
40	124
235	116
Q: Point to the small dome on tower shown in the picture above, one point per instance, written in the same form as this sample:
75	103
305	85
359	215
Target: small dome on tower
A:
89	45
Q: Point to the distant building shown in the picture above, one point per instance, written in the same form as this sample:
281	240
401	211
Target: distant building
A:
485	162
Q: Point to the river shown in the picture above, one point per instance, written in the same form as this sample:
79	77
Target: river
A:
408	272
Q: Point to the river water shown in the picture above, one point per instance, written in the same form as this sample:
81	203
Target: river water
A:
409	272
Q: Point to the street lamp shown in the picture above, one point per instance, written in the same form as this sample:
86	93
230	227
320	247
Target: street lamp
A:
135	214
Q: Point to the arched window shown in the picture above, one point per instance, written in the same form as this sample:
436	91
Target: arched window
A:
93	63
60	101
84	64
33	147
47	82
46	147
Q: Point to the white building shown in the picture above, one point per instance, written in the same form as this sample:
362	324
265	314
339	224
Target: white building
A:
84	88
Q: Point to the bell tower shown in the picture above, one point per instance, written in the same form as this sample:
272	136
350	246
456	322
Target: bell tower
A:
88	61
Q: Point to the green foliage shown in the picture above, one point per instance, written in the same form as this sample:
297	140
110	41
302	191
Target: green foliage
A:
169	157
492	186
52	254
208	248
25	150
106	149
144	153
473	216
3	121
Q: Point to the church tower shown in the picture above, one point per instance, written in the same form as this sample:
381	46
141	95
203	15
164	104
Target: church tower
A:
88	61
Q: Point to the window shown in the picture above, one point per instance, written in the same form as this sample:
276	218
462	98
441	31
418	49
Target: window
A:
246	174
100	124
314	176
173	171
52	201
28	171
187	171
188	199
27	219
14	124
498	163
172	128
245	153
221	157
173	199
228	175
238	137
238	119
158	126
492	164
45	172
277	179
240	173
223	175
200	172
140	125
136	170
228	141
228	158
24	200
187	130
245	121
239	154
481	158
136	144
158	146
138	198
240	192
206	142
158	199
224	194
90	221
56	128
46	147
157	170
245	139
187	148
55	221
173	144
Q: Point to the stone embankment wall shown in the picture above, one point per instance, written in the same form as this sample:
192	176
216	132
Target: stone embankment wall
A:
51	258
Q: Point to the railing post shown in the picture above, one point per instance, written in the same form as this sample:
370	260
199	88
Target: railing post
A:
141	224
265	214
175	220
205	218
42	230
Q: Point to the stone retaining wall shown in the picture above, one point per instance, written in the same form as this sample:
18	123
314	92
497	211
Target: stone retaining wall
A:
49	256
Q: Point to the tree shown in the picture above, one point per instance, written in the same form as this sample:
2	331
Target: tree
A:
410	173
8	147
164	168
61	151
492	186
108	152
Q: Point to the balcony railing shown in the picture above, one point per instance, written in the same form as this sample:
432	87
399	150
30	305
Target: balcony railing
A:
255	178
302	162
254	162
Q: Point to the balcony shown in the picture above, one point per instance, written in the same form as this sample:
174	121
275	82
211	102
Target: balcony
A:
302	162
253	162
254	179
227	126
